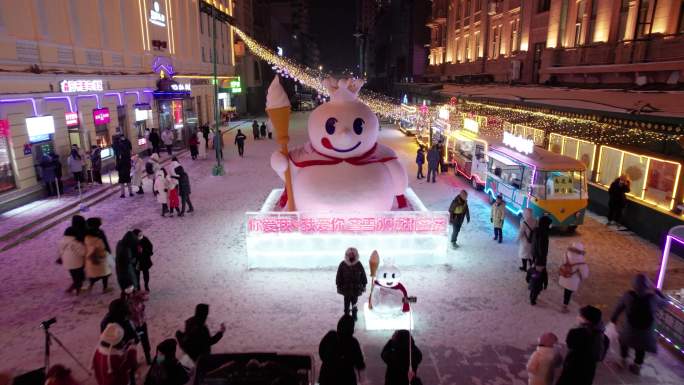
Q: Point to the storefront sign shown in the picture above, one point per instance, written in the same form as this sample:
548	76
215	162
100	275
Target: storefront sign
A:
71	119
181	87
39	128
101	115
4	128
141	115
68	86
518	143
156	16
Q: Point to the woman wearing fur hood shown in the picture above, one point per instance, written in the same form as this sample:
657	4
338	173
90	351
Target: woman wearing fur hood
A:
351	280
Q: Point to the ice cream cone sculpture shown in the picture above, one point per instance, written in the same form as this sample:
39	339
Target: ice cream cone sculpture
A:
278	110
373	262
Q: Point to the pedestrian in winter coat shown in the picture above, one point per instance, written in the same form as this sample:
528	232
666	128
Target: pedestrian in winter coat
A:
442	153
58	171
96	260
617	199
255	130
497	217
201	146
144	258
47	174
638	332
587	345
126	250
114	360
75	163
166	369
420	160
240	142
540	241
96	163
573	271
194	144
155	164
206	133
72	253
167	138
154	140
269	129
544	361
351	280
525	230
172	167
433	162
183	190
135	301
196	340
123	167
537	280
342	361
138	173
119	313
160	189
173	197
262	130
396	355
458	211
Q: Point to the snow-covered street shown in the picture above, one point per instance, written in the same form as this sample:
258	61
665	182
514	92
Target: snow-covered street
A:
473	320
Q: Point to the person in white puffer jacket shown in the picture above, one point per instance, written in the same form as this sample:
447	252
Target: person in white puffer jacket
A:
544	361
160	189
573	271
72	254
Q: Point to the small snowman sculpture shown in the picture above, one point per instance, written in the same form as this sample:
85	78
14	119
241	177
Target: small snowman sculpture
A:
388	298
342	167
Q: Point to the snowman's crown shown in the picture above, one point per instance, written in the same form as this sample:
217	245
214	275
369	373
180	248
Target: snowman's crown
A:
343	90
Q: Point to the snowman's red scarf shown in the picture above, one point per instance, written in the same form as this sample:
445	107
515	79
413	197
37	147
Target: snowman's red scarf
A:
406	307
307	156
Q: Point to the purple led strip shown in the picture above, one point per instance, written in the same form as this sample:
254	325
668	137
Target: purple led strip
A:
68	101
23	100
117	94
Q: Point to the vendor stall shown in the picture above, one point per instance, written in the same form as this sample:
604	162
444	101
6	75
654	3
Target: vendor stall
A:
670	321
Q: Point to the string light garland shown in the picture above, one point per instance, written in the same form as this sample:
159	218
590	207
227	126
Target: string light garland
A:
313	78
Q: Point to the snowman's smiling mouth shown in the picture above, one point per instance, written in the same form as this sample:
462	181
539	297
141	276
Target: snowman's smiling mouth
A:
326	143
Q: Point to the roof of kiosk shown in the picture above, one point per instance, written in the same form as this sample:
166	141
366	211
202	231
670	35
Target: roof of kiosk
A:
544	160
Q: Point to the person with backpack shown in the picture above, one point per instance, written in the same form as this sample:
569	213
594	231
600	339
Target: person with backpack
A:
572	272
342	361
351	280
458	210
525	230
497	217
420	160
640	306
240	142
587	345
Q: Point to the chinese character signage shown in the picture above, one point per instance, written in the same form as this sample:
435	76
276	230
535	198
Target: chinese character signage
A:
101	115
68	86
71	119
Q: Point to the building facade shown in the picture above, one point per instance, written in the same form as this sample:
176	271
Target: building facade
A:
592	42
80	72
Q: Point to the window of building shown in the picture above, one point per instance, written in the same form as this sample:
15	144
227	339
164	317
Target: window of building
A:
645	14
494	43
543	6
201	22
468	7
459	9
478	5
680	25
466	44
515	35
624	12
592	22
477	45
457	56
579	22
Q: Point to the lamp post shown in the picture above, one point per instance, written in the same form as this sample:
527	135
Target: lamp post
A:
360	36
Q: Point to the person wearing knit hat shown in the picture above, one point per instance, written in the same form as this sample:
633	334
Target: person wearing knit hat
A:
114	361
572	272
544	361
166	369
587	345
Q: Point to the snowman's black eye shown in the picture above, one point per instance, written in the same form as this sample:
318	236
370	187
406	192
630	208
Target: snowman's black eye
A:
358	126
330	125
384	275
393	275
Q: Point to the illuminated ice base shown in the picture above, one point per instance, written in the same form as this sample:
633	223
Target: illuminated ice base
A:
295	250
375	321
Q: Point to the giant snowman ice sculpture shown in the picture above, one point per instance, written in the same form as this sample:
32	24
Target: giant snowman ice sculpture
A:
342	167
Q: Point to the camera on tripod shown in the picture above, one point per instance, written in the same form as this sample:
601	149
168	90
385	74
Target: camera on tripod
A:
48	323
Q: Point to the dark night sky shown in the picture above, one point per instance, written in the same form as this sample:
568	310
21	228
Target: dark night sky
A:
333	23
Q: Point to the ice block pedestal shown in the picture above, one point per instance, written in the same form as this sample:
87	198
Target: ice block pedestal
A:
379	321
299	240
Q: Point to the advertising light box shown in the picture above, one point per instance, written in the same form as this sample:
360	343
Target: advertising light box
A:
71	119
101	115
141	115
39	128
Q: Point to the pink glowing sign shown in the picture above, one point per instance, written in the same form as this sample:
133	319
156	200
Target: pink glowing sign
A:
4	128
101	116
428	223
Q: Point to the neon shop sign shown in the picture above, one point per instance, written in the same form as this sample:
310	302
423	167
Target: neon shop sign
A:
518	143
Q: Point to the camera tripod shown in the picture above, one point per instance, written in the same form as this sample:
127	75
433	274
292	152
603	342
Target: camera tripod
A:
49	337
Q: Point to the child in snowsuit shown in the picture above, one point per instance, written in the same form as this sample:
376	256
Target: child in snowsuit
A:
497	218
351	280
538	280
544	361
174	198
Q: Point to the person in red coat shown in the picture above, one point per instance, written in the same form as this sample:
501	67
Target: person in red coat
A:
115	360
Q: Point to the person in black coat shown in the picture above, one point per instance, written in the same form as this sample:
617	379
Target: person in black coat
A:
458	211
123	167
396	355
240	142
262	130
196	340
143	258
58	171
420	160
617	199
587	345
166	369
433	162
154	141
47	174
126	251
96	161
341	356
351	280
255	130
183	189
540	241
